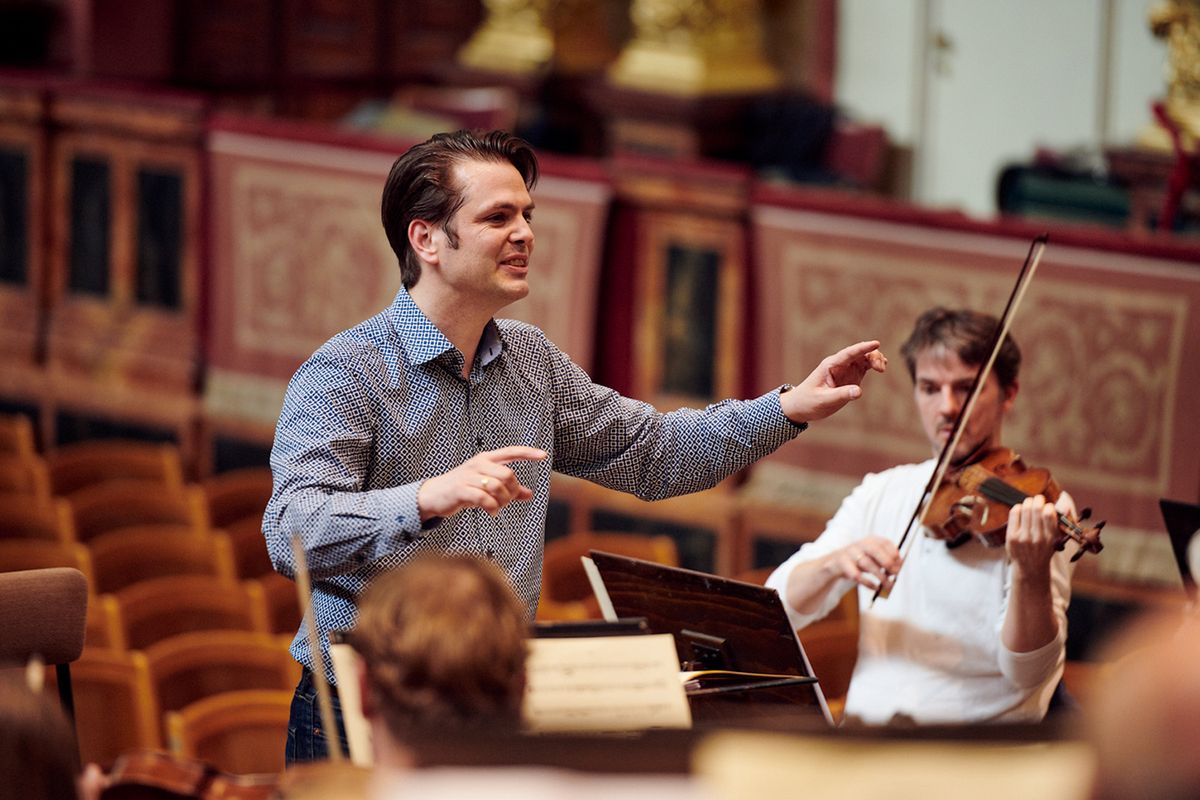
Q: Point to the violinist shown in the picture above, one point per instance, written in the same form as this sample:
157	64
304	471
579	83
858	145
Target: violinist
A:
972	631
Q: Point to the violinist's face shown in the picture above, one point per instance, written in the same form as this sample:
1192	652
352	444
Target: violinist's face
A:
942	384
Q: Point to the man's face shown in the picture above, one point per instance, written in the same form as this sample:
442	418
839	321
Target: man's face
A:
495	240
942	383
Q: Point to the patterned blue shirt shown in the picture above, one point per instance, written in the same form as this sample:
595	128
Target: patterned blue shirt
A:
382	407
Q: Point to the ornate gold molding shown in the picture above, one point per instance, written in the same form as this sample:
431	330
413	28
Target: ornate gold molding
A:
695	47
515	37
1178	22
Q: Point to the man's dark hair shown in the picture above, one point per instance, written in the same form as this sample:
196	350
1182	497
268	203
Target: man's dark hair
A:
966	333
421	185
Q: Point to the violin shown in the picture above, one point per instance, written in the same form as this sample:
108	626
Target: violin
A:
973	501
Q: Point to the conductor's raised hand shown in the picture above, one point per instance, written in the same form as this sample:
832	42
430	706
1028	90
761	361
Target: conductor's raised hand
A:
483	481
835	382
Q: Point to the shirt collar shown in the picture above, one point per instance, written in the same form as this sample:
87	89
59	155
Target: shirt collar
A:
424	342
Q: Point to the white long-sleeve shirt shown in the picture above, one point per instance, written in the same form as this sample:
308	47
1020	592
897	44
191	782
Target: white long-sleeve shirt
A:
932	650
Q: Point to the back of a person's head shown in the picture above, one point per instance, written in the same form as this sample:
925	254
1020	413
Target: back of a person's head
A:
38	755
443	643
1143	716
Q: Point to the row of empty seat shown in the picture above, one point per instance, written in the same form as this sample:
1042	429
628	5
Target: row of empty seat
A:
187	624
147	699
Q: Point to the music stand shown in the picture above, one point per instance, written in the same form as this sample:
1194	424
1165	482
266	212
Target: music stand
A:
1183	522
717	623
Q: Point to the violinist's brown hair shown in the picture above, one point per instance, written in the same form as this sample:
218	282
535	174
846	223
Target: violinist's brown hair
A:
443	639
966	333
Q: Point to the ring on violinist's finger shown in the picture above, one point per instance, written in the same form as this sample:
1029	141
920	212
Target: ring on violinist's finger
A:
484	481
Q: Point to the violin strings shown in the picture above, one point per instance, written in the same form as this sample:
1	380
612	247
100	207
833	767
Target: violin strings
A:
1001	492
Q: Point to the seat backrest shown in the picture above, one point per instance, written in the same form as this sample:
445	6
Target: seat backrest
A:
283	602
249	547
115	709
43	612
104	629
236	495
74	466
16	435
21	518
155	609
21	554
563	577
191	666
112	505
236	732
25	474
124	557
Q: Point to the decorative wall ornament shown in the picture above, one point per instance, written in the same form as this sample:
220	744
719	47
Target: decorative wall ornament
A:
695	47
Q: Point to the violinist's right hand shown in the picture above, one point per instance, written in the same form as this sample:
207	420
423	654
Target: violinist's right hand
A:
869	562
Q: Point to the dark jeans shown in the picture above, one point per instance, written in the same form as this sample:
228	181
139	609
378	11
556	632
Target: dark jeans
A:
306	738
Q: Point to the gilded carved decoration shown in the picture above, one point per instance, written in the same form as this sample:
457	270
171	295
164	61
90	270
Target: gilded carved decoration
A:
1178	23
515	37
695	47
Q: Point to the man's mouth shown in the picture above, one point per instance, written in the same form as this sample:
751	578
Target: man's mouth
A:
518	263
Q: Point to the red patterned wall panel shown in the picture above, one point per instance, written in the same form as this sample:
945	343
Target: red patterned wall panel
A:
298	254
1110	380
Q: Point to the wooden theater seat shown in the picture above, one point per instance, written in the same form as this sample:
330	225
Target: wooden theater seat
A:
158	608
191	666
21	554
74	466
16	435
124	557
249	547
115	709
113	505
104	629
283	603
24	518
237	732
236	495
566	592
26	475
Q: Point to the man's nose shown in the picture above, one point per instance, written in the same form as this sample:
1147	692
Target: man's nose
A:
523	233
949	404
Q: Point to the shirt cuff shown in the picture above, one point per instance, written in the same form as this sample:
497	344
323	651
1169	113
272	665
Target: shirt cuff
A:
399	518
799	426
1027	670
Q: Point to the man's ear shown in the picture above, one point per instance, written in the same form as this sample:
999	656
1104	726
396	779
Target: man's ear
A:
1010	395
422	239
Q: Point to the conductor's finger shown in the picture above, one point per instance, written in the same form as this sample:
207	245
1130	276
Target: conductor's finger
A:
855	351
515	453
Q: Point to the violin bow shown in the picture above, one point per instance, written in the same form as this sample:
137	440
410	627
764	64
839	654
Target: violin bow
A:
324	699
1024	278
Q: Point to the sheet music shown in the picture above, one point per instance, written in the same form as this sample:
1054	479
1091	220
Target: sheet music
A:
610	683
598	589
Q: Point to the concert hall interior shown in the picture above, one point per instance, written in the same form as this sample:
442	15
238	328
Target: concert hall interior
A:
728	191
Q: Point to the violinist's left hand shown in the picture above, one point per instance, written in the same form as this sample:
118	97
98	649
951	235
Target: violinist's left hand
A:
1033	532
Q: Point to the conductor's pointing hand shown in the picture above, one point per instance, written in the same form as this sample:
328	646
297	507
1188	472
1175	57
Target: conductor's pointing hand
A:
834	383
483	481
